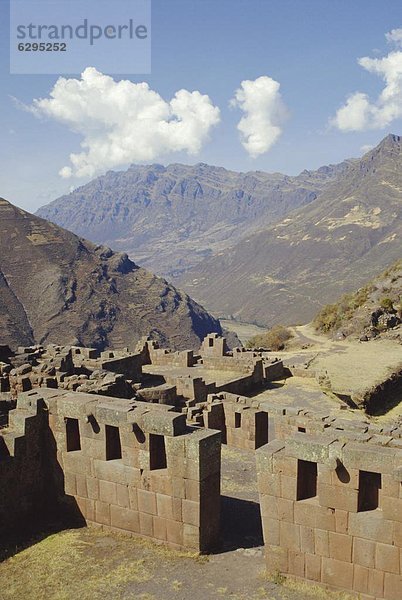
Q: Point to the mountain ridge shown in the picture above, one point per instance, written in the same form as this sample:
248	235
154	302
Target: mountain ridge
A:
56	287
171	218
286	272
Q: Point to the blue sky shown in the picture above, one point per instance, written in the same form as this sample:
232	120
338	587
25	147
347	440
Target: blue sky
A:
310	47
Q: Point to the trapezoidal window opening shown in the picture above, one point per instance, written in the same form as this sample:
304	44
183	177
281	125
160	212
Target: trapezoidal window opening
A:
73	439
306	479
157	452
369	491
261	429
113	443
237	420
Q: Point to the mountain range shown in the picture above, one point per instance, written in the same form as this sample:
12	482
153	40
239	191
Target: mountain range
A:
336	243
260	248
170	219
56	287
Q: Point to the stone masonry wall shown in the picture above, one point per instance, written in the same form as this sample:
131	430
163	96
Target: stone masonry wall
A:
163	357
122	464
160	479
23	467
332	511
242	425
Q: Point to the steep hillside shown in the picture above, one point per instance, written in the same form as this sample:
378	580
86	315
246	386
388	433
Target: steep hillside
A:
372	310
333	245
170	218
56	287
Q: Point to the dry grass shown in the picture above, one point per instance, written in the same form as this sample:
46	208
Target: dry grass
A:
89	564
86	564
56	567
304	589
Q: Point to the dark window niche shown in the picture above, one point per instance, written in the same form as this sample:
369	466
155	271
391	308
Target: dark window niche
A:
237	419
306	479
261	429
113	443
369	491
73	435
157	452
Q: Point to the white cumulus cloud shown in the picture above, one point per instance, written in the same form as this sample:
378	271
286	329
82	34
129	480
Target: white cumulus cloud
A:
394	37
123	122
264	114
359	113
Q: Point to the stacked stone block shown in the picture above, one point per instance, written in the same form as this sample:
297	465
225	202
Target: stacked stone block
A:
332	511
5	369
24	497
163	357
242	425
160	480
214	346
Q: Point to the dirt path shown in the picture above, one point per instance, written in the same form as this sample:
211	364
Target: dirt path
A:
306	334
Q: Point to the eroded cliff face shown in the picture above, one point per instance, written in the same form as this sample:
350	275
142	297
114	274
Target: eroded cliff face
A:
56	287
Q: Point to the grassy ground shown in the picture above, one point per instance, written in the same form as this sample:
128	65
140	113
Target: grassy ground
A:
92	565
84	563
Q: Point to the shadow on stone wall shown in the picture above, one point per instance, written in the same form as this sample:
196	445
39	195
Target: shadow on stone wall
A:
240	524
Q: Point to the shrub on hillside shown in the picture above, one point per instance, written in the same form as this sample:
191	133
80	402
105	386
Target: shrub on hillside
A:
328	318
332	316
387	304
274	339
344	314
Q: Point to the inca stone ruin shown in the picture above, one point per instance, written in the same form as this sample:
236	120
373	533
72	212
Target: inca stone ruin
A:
131	441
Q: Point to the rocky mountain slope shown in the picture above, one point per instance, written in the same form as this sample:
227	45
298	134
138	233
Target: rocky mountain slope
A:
170	218
333	245
373	310
56	287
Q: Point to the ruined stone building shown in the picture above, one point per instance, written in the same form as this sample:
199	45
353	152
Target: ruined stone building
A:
131	441
112	462
331	507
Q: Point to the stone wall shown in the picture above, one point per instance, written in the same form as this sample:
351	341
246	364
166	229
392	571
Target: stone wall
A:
332	511
274	370
245	384
160	394
239	364
24	468
121	464
190	388
163	357
130	366
242	425
213	345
